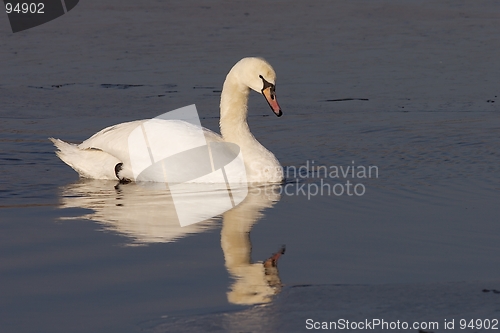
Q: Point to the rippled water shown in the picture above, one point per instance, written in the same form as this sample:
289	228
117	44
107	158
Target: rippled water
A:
410	89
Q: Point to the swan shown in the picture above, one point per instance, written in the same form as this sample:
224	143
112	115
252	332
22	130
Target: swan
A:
105	155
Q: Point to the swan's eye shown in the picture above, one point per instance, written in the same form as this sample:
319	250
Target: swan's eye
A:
266	84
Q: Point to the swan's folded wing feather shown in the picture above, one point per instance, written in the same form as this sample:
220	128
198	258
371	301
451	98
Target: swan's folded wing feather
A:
89	163
114	140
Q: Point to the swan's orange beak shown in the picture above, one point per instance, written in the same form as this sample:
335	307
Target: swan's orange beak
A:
270	96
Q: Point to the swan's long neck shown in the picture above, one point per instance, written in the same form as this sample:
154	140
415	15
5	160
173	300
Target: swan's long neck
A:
233	113
261	165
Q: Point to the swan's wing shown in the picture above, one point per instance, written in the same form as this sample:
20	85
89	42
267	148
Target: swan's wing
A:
113	139
177	135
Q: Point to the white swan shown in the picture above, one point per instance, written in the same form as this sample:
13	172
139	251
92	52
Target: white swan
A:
105	155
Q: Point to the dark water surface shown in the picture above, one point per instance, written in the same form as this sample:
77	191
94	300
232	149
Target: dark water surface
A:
415	93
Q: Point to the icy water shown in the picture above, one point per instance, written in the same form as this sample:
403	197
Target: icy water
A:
410	90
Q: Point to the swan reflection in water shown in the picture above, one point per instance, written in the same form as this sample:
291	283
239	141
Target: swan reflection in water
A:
145	213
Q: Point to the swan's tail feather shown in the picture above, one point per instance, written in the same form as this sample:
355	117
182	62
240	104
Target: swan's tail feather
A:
89	163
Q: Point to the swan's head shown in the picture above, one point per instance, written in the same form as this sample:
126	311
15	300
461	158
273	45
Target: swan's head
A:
258	75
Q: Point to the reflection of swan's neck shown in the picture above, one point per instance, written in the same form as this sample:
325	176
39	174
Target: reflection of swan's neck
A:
235	237
254	283
233	112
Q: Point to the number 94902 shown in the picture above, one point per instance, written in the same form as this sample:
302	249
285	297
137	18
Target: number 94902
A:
24	8
477	324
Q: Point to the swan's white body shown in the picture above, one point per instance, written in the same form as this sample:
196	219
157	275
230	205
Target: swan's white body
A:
98	156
